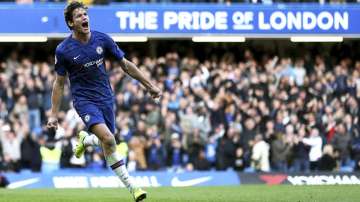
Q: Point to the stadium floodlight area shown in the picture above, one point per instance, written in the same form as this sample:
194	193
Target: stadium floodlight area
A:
316	39
23	38
218	39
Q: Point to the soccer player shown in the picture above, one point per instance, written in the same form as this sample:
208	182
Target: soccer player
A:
81	58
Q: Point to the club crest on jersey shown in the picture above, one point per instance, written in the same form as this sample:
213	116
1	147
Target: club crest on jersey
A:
99	50
87	118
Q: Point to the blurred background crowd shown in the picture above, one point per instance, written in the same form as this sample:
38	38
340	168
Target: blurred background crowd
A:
244	107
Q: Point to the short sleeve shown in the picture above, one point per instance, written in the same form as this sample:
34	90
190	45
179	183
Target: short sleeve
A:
113	48
59	63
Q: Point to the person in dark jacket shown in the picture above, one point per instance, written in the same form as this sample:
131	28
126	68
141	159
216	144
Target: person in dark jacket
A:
328	160
225	152
30	153
301	162
342	143
4	182
280	150
175	152
155	153
201	163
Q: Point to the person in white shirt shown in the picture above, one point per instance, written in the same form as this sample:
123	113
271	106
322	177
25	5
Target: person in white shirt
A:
315	142
260	154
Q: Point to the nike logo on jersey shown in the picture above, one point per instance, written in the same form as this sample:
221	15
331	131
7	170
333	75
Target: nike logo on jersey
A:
76	57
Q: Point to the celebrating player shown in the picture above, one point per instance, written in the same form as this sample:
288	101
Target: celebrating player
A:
81	57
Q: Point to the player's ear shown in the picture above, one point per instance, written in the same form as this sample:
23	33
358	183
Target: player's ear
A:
71	24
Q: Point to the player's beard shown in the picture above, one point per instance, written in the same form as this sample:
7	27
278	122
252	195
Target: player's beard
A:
85	28
85	31
82	33
82	28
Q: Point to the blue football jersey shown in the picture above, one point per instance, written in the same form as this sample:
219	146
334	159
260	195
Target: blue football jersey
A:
85	66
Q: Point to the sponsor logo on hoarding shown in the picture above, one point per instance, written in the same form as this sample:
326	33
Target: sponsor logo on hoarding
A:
175	182
106	179
114	181
70	182
324	180
304	179
273	179
101	181
23	183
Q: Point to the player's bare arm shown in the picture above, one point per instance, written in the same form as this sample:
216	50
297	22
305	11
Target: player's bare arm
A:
131	69
57	94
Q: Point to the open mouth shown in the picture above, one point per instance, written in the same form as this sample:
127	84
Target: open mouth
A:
85	25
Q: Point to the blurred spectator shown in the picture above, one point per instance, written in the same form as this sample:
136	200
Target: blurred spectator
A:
356	151
247	136
33	93
239	159
280	150
11	147
260	154
21	110
175	152
226	150
169	128
155	153
30	153
327	161
97	162
4	182
301	162
315	143
194	144
137	145
201	163
132	164
342	143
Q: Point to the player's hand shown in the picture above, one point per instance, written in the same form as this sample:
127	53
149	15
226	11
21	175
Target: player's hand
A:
155	93
52	123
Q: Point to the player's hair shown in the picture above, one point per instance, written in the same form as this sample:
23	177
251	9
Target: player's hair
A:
68	11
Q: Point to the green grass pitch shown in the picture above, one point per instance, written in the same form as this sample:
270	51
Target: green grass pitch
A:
245	193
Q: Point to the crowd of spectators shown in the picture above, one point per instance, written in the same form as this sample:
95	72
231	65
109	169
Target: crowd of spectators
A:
235	110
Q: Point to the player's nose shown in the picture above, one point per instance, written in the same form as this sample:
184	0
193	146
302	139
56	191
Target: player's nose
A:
85	18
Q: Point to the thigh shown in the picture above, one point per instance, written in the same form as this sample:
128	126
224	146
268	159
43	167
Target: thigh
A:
90	114
102	132
109	116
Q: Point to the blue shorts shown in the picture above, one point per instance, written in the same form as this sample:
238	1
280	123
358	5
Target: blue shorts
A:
92	114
